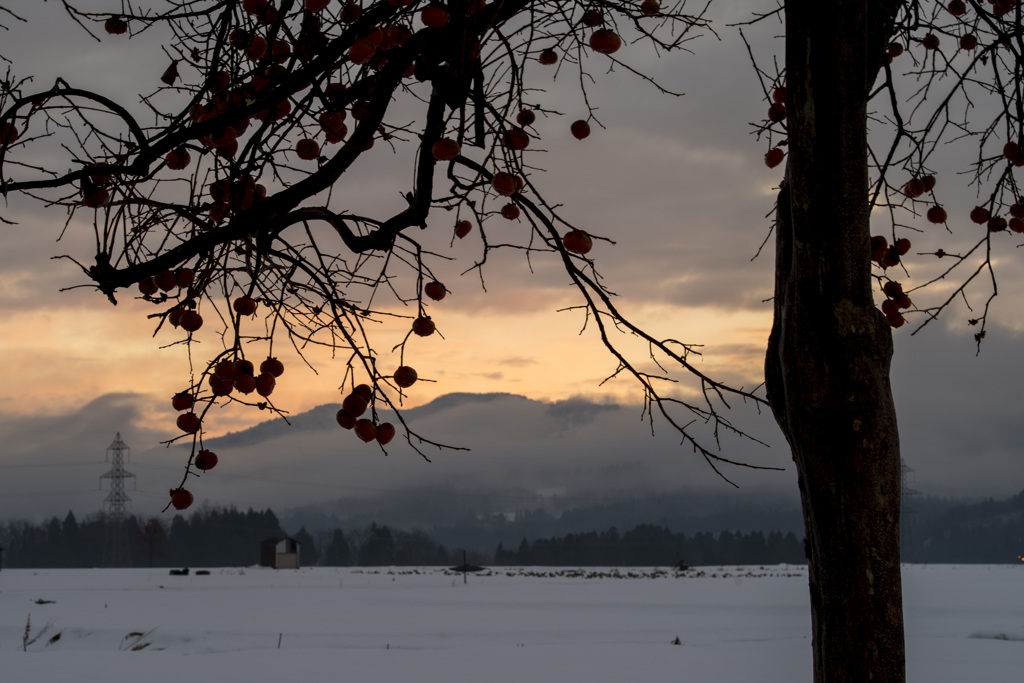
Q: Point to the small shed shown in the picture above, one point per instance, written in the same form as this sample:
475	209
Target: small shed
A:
279	552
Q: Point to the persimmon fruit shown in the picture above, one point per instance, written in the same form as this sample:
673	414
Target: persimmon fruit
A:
191	321
435	290
8	134
245	383
96	198
434	16
244	306
165	280
774	157
405	376
178	159
579	129
445	149
650	8
345	421
148	287
423	326
354	404
517	139
115	26
366	430
577	242
273	366
1011	151
936	214
265	384
307	149
914	189
504	183
181	499
185	277
206	460
777	112
221	386
526	117
188	423
183	401
605	41
385	433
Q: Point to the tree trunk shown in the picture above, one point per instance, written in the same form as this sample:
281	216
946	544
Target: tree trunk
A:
827	365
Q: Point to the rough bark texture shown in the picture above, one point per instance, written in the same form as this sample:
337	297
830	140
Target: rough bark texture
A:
827	365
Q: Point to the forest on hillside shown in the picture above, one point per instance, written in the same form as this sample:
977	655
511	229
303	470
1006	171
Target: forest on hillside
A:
990	532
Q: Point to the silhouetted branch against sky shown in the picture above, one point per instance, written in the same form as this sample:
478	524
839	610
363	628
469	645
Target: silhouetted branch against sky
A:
253	180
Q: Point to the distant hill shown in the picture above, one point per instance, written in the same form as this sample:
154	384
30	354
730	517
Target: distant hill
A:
322	417
989	531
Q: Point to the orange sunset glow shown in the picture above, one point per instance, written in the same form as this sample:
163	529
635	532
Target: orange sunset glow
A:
675	193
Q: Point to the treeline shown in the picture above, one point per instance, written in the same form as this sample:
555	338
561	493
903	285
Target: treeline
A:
210	537
989	532
218	537
654	546
213	537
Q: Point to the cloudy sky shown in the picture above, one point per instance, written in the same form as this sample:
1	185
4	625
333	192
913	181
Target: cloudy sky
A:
677	182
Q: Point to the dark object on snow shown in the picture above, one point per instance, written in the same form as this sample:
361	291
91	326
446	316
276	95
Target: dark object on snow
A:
40	601
179	572
465	568
202	572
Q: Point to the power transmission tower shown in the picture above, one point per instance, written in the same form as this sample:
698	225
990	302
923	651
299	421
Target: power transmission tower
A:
116	550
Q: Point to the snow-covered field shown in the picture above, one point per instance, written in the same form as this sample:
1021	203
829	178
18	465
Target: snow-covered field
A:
964	624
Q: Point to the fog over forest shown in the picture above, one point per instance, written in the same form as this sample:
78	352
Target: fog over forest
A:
522	454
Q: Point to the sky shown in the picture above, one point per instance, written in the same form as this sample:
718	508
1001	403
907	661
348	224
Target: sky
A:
678	183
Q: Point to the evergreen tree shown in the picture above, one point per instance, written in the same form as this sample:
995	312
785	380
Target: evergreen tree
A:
151	538
338	553
377	548
308	555
71	543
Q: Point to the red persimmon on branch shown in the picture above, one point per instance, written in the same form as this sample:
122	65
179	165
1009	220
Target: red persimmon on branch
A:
216	202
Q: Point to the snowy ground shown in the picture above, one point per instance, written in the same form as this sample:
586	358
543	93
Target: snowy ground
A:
964	624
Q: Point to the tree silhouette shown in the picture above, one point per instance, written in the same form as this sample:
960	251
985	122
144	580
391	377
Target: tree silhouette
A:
217	206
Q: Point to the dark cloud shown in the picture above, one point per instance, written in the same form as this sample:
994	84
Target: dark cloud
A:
677	183
959	420
960	413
